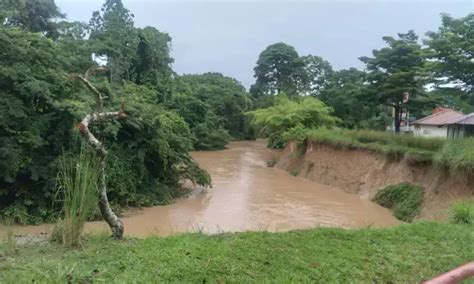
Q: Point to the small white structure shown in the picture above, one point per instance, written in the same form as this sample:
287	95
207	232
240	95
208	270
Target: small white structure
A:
437	124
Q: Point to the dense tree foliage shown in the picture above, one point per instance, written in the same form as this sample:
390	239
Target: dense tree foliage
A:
34	16
287	114
149	150
396	72
352	100
452	49
35	125
225	99
279	69
317	73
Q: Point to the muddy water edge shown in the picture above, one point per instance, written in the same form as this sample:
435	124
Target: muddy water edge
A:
246	195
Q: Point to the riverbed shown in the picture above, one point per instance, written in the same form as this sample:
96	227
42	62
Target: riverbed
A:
247	195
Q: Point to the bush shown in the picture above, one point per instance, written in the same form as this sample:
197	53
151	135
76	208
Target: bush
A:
297	133
293	116
462	212
276	141
403	199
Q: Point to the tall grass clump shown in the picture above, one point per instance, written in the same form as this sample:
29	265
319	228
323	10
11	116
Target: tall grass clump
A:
462	212
331	137
403	199
407	141
77	189
457	156
8	245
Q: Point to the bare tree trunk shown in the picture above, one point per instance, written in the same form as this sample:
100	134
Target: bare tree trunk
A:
106	211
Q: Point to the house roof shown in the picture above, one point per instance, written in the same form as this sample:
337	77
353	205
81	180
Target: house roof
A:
440	118
467	119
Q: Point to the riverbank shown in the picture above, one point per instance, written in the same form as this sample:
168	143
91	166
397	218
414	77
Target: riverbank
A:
363	171
406	253
262	198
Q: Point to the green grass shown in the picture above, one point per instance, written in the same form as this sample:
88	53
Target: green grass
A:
457	156
462	212
404	254
403	199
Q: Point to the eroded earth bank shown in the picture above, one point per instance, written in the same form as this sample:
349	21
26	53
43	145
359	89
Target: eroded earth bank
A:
364	173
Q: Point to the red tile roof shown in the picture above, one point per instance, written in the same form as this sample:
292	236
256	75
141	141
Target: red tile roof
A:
440	118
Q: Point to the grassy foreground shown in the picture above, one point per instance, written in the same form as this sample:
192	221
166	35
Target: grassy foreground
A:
407	253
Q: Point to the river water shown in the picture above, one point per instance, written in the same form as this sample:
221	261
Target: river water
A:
248	195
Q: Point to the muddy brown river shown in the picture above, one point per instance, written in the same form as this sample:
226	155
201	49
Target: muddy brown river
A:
247	195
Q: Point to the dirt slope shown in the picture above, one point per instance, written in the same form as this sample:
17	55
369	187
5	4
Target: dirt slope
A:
364	173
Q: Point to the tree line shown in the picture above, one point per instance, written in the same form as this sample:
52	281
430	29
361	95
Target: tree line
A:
437	71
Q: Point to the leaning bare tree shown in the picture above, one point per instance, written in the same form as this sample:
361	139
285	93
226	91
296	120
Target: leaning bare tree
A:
106	211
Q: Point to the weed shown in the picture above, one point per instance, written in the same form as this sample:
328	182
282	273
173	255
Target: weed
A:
462	212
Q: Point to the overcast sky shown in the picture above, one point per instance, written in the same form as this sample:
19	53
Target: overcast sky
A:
227	36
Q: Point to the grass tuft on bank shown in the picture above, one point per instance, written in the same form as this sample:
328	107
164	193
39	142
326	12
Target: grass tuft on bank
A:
462	212
456	155
403	254
403	199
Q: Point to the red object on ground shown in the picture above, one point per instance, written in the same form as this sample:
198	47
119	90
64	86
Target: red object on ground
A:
454	276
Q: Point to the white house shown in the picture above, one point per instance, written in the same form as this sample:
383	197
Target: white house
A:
445	123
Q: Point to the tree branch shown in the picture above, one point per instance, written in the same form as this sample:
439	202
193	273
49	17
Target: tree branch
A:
106	211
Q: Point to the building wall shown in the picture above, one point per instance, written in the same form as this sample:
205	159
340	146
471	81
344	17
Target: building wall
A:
456	131
431	131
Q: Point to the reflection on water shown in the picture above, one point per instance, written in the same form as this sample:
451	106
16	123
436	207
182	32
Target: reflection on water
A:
247	195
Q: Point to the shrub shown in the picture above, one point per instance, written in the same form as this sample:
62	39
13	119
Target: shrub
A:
287	114
276	141
403	199
297	133
462	212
